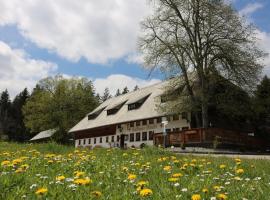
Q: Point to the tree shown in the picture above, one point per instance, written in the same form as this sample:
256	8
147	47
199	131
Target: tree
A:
262	108
5	107
18	131
59	103
193	40
125	90
136	88
117	93
106	95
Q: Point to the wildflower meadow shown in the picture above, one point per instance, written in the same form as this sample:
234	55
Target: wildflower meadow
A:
51	171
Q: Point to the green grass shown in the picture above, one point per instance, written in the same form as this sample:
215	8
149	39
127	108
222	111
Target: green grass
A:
109	171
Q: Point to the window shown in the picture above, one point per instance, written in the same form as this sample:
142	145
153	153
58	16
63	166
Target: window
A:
115	108
89	140
151	134
112	139
138	136
176	129
168	130
100	140
126	137
185	128
131	137
184	115
138	123
118	138
84	141
137	103
175	117
144	136
95	114
131	124
159	119
151	121
107	139
144	122
168	118
79	142
95	140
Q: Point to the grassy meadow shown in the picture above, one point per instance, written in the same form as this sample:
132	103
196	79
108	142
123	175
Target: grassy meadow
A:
51	171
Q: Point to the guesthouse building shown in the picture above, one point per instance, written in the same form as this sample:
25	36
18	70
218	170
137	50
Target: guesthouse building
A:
128	120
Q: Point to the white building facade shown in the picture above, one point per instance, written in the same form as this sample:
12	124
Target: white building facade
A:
129	120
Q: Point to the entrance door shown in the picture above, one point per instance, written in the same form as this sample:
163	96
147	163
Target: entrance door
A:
122	141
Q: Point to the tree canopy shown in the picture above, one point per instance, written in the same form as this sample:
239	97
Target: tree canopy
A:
59	103
194	40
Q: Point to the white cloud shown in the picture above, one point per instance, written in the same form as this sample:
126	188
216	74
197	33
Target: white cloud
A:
264	43
18	70
119	81
96	30
250	9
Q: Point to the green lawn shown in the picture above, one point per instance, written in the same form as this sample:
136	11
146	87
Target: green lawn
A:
60	172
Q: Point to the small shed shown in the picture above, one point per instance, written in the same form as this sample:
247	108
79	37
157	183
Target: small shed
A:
43	136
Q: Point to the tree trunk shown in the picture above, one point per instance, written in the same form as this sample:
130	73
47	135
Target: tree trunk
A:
205	120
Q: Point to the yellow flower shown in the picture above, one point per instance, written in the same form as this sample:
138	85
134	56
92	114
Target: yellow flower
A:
222	196
5	163
196	197
167	168
41	191
78	173
25	166
173	179
238	161
50	161
60	178
222	166
217	188
81	181
177	175
19	170
96	193
142	183
17	161
146	192
205	190
237	178
132	176
239	171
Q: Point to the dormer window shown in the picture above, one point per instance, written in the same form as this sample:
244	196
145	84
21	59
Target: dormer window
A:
115	108
94	115
138	102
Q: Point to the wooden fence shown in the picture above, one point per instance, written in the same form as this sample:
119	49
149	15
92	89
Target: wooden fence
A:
209	137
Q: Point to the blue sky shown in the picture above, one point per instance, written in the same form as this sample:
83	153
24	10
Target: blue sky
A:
94	39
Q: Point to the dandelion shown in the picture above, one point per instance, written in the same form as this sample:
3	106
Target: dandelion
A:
60	178
146	192
196	197
239	171
132	177
177	175
41	191
96	193
5	163
222	166
173	179
81	181
222	197
205	190
78	173
167	168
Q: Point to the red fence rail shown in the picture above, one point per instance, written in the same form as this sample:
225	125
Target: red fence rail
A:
209	136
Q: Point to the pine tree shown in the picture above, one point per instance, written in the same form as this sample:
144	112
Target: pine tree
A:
136	88
106	95
5	106
118	93
125	90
